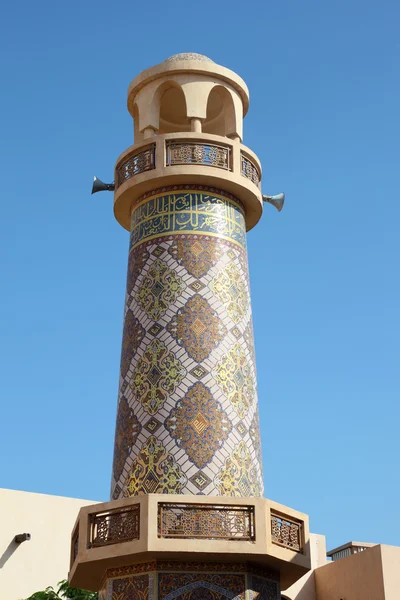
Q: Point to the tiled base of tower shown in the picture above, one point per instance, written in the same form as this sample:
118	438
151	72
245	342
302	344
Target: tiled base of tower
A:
190	581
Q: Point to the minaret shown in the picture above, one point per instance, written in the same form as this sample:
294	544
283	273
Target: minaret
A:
187	517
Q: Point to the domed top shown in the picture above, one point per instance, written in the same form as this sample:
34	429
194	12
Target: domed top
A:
188	56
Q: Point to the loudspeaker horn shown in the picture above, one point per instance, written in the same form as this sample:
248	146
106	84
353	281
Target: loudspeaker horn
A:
99	186
276	201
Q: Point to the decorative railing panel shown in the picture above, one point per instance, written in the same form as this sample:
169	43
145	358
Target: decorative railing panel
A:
197	153
249	169
206	521
142	161
114	526
286	532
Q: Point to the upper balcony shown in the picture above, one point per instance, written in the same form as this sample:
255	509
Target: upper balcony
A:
188	158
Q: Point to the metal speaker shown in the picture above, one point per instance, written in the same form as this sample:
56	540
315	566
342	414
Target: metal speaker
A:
99	186
22	537
276	201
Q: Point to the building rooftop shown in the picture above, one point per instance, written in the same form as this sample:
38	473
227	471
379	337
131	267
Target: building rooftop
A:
348	549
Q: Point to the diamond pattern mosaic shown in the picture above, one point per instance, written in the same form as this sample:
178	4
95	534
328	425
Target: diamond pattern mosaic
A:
197	327
157	374
188	415
199	424
158	289
233	375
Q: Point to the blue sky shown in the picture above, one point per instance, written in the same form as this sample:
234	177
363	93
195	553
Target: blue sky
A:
324	121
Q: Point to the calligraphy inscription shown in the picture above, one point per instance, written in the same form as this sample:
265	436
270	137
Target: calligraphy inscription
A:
193	212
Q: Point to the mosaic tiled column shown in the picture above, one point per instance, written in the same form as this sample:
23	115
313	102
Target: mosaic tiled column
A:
187	414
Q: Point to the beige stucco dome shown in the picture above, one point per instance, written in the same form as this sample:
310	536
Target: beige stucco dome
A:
188	56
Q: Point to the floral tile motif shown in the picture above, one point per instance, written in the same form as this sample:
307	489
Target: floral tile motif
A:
126	433
155	471
131	588
200	480
137	260
197	328
156	376
131	340
160	287
239	476
233	375
230	289
196	254
199	424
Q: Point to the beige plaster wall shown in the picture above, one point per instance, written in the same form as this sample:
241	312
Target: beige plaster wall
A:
356	577
304	588
391	571
44	560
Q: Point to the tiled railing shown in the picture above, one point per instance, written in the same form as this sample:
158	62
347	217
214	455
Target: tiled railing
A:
286	532
114	526
206	521
249	169
165	152
189	152
143	160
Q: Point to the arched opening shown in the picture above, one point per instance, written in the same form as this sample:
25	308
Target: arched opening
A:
221	114
172	108
200	590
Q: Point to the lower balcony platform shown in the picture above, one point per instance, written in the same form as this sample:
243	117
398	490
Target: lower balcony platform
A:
150	533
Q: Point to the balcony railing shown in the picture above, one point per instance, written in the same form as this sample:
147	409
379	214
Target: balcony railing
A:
141	161
114	526
249	169
198	153
164	153
206	521
286	532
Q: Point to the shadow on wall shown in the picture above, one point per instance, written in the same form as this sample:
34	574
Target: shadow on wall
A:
8	552
305	592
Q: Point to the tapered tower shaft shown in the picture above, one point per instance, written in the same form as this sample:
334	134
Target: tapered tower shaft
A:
187	415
